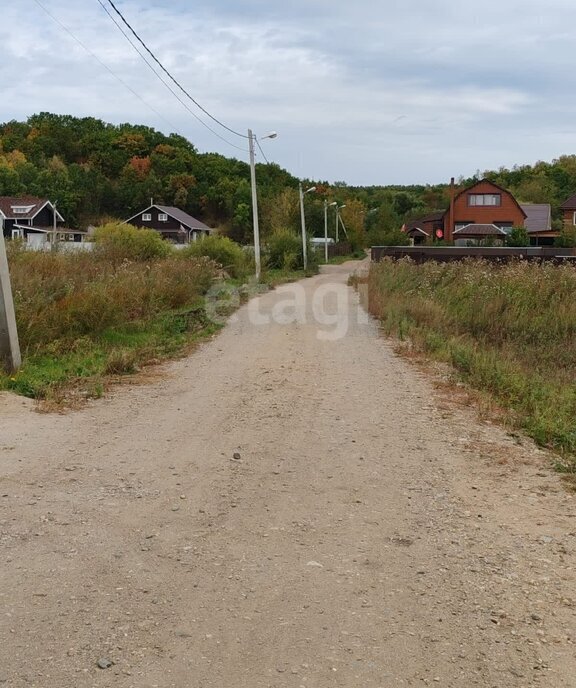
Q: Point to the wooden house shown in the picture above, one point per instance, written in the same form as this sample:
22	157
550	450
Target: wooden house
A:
28	217
173	224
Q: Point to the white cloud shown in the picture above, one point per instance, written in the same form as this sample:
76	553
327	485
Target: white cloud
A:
406	91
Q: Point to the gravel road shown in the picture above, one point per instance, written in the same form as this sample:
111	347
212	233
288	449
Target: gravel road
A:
293	505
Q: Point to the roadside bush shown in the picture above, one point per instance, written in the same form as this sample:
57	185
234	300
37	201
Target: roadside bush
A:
223	251
388	237
518	237
118	242
284	250
567	238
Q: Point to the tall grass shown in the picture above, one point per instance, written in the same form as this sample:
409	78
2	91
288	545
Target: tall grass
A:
81	314
61	296
507	329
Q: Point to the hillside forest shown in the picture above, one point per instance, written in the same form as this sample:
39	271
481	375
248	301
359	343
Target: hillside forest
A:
96	171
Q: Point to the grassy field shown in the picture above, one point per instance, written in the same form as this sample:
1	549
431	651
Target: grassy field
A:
508	330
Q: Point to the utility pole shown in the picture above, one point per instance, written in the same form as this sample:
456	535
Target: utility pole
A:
254	205
9	346
251	139
301	194
326	204
303	226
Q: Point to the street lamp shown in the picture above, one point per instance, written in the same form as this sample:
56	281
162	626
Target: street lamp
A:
326	204
303	221
251	139
338	209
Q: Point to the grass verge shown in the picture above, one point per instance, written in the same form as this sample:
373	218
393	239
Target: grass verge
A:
87	368
506	330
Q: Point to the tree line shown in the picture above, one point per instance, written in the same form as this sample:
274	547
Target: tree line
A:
97	171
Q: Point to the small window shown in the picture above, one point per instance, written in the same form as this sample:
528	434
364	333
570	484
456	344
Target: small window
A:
163	217
146	217
574	219
484	199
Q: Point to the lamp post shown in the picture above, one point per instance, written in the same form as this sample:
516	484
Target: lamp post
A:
326	204
303	222
251	139
338	209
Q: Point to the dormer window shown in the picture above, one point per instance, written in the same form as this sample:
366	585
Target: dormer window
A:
21	209
484	199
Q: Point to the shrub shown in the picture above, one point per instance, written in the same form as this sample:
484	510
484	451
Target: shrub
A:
567	238
118	242
518	237
389	237
284	250
223	251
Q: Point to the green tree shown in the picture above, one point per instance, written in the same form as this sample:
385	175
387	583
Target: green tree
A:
518	237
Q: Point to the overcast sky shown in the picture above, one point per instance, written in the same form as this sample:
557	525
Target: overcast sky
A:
366	92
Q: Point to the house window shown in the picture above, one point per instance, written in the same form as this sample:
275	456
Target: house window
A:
506	226
146	217
484	199
21	209
163	217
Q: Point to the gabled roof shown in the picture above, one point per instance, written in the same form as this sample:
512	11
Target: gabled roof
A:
176	214
479	230
570	203
486	181
416	225
32	205
538	217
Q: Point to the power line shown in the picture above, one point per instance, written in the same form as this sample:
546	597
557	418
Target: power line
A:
159	76
170	75
261	151
102	64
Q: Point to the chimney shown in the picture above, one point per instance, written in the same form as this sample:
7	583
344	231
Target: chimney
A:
450	228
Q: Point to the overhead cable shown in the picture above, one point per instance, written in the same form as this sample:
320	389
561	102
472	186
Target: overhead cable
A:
159	76
153	56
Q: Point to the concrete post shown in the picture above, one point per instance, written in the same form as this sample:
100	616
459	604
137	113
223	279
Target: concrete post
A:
9	346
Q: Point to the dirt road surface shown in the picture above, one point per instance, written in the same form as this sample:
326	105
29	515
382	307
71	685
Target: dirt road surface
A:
372	533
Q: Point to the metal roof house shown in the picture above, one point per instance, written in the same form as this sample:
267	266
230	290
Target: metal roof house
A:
173	224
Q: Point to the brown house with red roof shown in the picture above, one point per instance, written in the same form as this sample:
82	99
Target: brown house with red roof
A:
482	210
